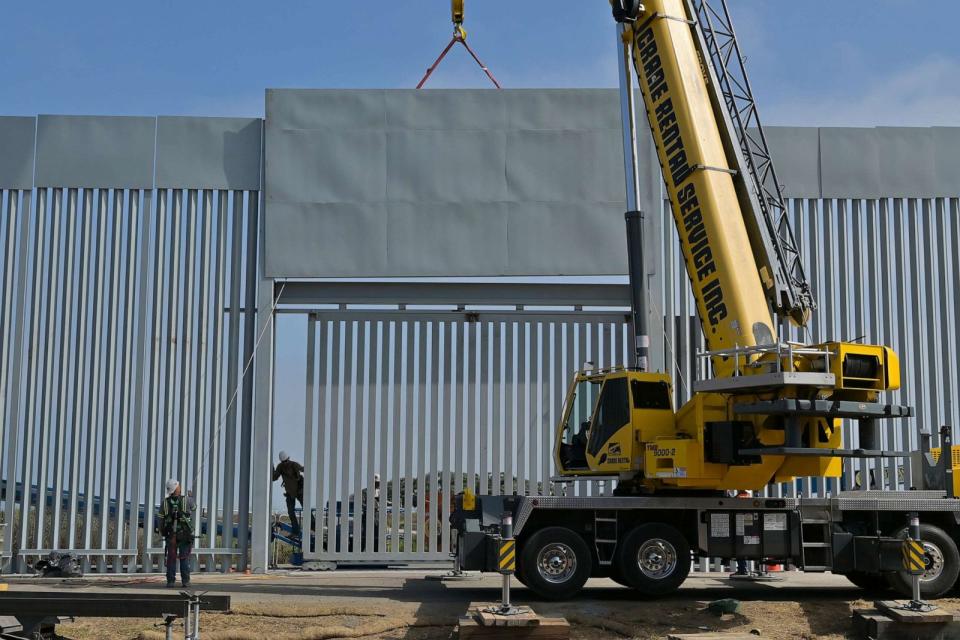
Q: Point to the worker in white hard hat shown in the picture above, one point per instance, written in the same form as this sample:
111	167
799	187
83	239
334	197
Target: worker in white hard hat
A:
292	474
176	526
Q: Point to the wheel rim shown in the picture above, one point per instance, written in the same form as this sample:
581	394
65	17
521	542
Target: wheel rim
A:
657	558
556	563
933	562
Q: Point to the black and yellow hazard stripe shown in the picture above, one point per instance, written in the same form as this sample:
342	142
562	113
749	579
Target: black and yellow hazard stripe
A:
913	556
507	556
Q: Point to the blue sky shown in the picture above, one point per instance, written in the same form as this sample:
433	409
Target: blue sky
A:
818	62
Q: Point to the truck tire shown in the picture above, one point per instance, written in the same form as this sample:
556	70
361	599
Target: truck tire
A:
654	559
943	564
869	582
556	563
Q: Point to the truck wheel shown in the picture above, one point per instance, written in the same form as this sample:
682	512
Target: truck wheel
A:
869	582
942	560
556	563
654	559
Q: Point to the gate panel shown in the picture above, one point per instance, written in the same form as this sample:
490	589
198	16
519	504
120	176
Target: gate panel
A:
431	403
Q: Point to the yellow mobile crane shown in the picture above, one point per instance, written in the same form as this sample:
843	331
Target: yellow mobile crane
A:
770	412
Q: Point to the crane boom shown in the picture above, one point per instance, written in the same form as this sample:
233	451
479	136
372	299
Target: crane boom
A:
699	174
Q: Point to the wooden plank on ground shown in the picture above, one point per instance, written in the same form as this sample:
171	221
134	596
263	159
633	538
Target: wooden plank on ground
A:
478	624
893	608
548	629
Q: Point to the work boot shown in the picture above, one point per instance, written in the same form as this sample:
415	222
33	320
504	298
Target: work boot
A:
171	584
186	584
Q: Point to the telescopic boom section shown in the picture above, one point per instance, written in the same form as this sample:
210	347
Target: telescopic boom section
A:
733	308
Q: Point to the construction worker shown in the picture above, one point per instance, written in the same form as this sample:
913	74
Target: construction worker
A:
367	506
292	474
176	527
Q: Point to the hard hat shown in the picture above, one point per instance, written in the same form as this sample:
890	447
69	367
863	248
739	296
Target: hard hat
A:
171	486
284	456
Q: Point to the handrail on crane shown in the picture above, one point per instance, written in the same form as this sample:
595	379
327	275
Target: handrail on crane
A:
459	35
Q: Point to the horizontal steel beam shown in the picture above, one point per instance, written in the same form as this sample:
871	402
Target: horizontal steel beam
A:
129	605
449	293
829	408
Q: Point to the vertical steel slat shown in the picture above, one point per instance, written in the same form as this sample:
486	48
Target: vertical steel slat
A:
955	289
927	314
154	456
370	420
185	342
12	230
432	448
483	425
136	370
906	387
427	485
217	403
46	392
458	416
471	363
356	431
174	310
951	235
230	424
947	337
81	377
249	341
411	361
546	353
498	419
418	434
341	365
522	418
107	447
125	300
27	459
310	463
325	539
384	424
16	366
101	214
397	403
203	388
448	465
507	405
917	325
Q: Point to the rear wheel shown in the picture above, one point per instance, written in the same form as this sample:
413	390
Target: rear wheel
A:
942	564
654	559
556	563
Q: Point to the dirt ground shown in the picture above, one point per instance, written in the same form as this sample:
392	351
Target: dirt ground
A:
411	606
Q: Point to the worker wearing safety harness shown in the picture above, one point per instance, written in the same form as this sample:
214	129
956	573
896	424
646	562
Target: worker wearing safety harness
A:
292	474
176	527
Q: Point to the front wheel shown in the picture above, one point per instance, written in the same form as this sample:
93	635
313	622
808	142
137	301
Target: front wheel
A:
942	564
556	563
654	559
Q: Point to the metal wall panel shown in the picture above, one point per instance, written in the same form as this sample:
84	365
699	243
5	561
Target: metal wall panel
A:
95	151
355	161
18	141
218	153
116	343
